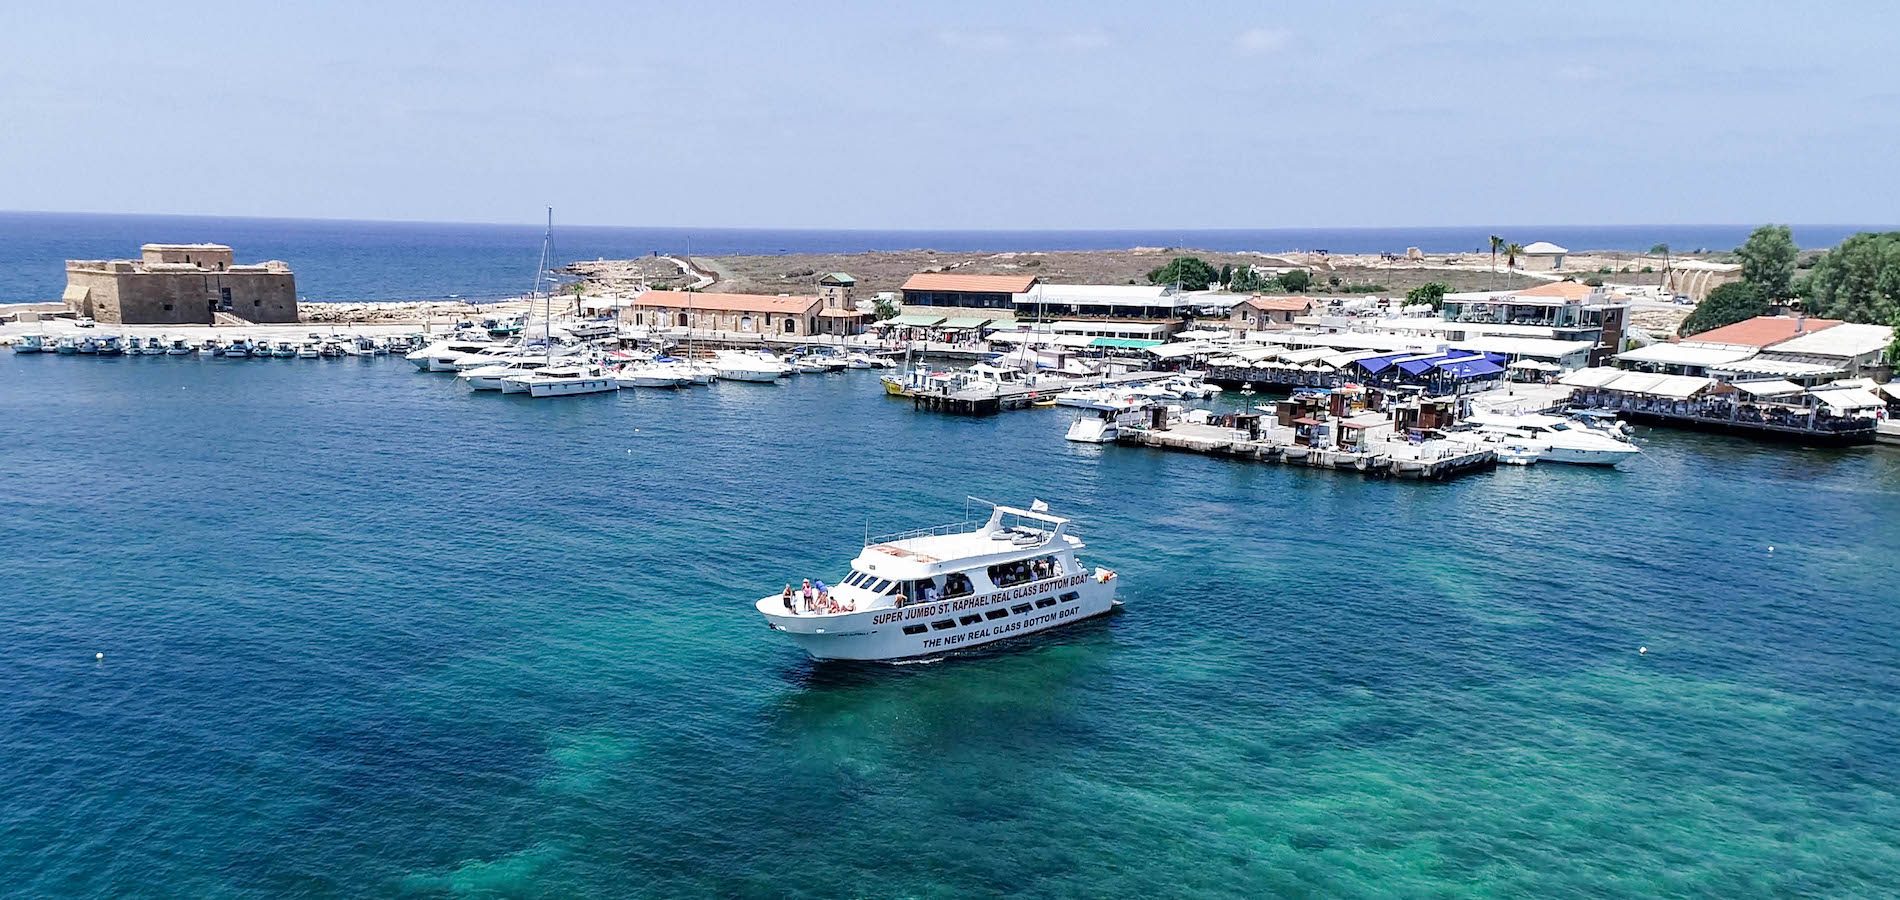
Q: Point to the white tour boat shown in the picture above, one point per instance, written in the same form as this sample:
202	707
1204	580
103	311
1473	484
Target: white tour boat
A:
950	588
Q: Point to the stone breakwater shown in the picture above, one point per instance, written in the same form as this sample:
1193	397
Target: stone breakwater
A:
404	312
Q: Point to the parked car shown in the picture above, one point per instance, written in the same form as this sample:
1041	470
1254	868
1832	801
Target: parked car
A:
84	322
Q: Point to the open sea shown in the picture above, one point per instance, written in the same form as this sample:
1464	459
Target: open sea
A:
368	634
349	261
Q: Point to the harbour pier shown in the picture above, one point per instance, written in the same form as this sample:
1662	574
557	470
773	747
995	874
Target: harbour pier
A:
990	398
1433	460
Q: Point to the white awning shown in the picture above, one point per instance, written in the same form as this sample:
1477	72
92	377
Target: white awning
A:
1847	399
1677	387
1187	348
1774	388
1591	378
1531	365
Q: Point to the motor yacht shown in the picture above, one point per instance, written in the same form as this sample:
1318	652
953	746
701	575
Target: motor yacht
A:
561	381
654	375
936	590
492	376
1557	439
443	356
740	365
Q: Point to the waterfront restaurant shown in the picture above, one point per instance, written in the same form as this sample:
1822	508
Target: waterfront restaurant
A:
969	292
742	313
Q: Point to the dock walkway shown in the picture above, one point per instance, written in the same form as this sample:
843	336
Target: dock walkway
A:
984	402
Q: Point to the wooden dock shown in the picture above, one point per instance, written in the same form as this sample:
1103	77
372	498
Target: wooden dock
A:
1433	460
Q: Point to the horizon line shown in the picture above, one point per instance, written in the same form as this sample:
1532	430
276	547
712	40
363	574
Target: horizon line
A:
964	229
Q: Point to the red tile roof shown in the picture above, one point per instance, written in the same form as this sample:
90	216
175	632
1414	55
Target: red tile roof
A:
1761	331
976	284
1279	304
1569	290
757	303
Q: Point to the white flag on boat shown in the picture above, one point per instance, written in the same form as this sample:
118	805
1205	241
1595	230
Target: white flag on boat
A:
1038	506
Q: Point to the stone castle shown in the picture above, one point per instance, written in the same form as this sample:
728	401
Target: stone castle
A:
180	284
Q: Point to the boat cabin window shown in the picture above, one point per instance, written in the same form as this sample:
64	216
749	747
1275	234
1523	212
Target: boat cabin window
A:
970	620
1072	595
957	584
1019	608
995	614
914	629
1045	602
941	624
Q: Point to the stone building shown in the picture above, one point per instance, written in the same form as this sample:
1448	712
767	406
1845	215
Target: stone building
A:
743	313
180	284
840	313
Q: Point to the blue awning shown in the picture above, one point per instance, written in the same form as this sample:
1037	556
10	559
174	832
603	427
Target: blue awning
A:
1373	365
1470	368
1422	364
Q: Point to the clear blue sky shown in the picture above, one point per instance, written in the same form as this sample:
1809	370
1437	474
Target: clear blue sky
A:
957	115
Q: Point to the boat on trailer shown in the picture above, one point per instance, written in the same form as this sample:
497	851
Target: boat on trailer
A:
936	590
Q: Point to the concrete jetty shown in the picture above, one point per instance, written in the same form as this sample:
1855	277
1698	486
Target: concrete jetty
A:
1434	460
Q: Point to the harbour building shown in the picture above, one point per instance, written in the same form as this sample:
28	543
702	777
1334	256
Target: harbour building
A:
839	313
761	314
180	284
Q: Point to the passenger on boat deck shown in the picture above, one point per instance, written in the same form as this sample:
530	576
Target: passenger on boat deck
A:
824	595
927	591
789	606
808	606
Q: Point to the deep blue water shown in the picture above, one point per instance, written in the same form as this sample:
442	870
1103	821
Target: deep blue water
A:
379	261
368	634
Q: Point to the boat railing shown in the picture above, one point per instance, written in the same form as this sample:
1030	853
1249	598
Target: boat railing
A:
937	531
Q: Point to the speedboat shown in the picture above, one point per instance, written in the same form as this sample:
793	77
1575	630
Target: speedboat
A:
284	350
935	590
739	365
180	347
1101	423
863	360
1558	439
111	345
308	350
154	347
654	375
88	346
238	349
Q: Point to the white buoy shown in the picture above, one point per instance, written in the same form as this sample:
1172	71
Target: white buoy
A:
98	656
1642	651
1771	548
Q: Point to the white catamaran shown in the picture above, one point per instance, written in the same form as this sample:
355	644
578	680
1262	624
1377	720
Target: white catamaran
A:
941	589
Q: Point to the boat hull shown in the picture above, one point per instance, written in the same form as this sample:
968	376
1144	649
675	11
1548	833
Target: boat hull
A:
1580	456
567	387
752	375
878	635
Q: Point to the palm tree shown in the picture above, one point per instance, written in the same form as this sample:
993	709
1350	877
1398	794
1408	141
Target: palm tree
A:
1496	243
1511	251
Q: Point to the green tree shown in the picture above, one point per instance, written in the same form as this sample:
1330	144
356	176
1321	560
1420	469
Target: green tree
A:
1430	292
1726	305
1858	281
1246	280
1768	261
1227	273
1295	281
1192	272
884	309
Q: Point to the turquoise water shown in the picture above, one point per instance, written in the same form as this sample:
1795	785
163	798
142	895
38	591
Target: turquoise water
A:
369	634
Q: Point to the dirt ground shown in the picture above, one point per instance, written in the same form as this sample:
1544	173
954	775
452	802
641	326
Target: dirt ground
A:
886	271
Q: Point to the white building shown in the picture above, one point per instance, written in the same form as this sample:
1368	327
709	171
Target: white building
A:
1549	255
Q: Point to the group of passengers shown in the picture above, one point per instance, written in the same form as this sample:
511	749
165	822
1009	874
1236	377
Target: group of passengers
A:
814	597
955	584
1012	574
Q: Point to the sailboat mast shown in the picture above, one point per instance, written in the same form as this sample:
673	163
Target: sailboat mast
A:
547	250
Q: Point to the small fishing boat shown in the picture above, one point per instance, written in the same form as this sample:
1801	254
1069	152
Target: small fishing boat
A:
32	343
67	346
284	350
180	347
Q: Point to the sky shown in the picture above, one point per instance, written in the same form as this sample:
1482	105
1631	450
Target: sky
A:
957	115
